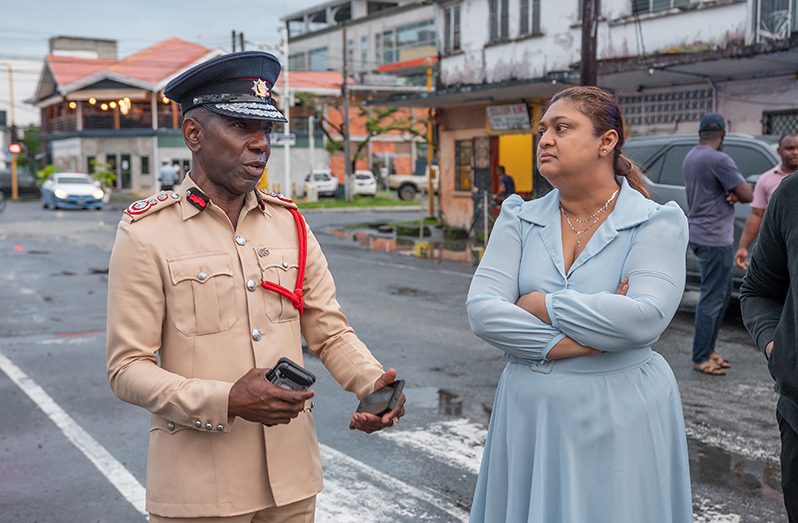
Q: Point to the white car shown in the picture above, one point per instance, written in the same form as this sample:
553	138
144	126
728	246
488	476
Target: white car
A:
69	190
365	183
325	182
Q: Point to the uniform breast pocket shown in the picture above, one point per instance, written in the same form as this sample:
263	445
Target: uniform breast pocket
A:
202	296
279	265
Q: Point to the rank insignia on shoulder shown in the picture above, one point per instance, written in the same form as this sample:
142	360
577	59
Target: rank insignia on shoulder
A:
277	198
196	198
142	208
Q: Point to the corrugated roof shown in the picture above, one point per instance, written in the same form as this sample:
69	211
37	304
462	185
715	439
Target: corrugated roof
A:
299	80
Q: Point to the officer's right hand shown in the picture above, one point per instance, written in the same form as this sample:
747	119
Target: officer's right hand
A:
255	399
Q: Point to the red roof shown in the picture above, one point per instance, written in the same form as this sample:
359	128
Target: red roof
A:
152	65
68	69
160	61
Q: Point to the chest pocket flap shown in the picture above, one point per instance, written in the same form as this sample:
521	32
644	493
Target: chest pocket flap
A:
202	296
279	265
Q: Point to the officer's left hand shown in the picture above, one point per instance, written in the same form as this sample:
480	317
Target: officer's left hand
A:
371	423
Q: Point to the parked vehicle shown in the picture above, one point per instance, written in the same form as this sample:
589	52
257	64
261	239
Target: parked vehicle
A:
365	183
407	186
325	182
26	182
661	158
70	190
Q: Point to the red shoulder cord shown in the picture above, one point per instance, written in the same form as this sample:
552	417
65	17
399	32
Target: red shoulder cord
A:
294	297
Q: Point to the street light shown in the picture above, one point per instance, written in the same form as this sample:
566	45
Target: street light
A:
14	182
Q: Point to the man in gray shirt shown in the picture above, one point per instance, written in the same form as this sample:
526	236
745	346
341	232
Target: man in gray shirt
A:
713	184
769	298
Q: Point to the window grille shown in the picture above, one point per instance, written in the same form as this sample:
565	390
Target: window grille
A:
652	6
780	122
666	107
464	165
499	20
530	17
451	28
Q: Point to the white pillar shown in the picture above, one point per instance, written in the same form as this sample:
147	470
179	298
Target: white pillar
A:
286	190
312	143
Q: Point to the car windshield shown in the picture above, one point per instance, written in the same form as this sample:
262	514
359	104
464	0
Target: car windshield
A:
363	177
73	179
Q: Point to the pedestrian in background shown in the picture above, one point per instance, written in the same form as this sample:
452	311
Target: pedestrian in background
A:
765	186
769	298
168	176
574	287
506	185
713	184
210	287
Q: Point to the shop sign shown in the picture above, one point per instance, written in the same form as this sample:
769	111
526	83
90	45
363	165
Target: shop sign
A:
508	117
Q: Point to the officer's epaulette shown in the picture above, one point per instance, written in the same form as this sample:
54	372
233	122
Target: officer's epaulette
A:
274	198
141	208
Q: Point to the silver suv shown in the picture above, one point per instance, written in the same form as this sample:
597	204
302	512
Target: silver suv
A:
661	158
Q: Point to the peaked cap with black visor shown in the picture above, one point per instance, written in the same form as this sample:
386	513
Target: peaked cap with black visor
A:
238	85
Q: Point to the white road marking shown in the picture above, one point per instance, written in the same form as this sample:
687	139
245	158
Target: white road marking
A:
458	443
355	492
113	470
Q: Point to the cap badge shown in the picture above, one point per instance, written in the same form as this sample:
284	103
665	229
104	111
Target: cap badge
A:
260	88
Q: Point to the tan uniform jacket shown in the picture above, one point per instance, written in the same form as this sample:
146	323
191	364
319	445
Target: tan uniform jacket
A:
180	333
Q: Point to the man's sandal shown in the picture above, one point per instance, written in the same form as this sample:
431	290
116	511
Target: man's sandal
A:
710	367
720	362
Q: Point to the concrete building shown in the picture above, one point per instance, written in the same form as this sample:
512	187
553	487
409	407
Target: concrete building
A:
669	62
96	108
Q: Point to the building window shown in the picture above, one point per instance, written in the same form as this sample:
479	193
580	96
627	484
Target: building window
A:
378	48
775	19
145	165
91	164
780	122
451	28
464	165
318	59
409	42
296	62
364	52
652	6
350	52
530	17
666	107
499	20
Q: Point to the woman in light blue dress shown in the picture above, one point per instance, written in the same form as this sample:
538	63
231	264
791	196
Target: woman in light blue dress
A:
574	287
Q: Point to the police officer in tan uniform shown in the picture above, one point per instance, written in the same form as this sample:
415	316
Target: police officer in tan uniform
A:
208	288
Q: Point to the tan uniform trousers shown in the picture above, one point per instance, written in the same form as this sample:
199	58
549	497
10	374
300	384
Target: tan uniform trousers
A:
303	511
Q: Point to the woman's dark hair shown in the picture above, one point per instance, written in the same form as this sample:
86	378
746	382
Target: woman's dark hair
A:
603	110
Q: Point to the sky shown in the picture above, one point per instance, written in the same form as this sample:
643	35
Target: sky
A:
26	26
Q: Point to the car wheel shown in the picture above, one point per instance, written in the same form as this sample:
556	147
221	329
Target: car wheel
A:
45	205
407	192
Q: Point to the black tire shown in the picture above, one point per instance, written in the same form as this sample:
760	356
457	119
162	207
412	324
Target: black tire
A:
2	201
407	192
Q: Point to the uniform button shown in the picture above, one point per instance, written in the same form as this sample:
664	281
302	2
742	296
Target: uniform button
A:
220	428
256	335
209	426
241	240
251	285
198	423
201	276
170	426
285	264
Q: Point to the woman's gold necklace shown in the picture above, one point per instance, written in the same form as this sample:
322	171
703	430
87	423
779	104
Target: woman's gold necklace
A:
593	219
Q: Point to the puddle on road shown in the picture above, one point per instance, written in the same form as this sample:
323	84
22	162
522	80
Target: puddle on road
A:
444	401
709	464
715	466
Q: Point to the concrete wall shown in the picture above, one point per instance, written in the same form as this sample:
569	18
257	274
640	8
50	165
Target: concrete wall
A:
707	25
743	102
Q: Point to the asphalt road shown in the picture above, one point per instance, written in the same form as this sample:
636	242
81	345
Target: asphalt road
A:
70	451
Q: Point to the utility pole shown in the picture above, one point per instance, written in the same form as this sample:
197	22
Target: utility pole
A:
287	112
233	38
430	185
345	93
241	40
14	178
590	10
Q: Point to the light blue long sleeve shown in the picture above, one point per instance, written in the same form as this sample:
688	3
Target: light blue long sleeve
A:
656	270
492	312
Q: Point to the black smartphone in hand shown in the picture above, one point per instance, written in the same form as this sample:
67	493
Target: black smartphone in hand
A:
289	375
384	400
